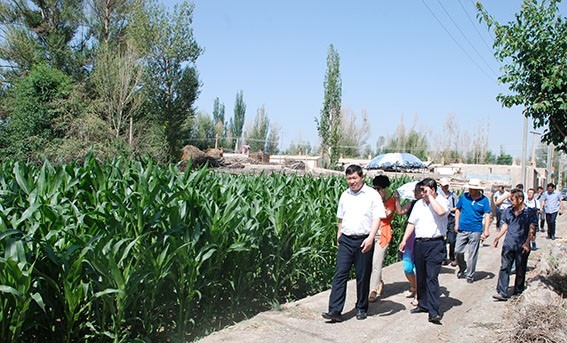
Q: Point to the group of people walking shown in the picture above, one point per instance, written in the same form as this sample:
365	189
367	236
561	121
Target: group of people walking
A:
436	218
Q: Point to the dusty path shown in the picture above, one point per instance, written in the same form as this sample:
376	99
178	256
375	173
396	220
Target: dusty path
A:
470	314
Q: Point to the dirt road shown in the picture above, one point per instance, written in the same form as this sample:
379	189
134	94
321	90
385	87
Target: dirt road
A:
469	312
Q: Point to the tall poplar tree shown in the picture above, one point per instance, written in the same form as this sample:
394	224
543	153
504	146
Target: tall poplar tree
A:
258	134
329	123
172	81
218	111
237	123
218	120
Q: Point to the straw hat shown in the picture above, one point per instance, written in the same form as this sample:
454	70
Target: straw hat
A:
474	184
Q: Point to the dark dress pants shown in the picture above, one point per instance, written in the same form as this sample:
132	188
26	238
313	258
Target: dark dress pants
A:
451	237
498	218
350	252
428	256
510	257
550	218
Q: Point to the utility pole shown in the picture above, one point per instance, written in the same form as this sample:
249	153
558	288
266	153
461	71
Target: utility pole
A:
534	160
549	166
524	148
559	170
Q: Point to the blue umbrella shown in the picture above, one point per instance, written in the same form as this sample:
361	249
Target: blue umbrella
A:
396	161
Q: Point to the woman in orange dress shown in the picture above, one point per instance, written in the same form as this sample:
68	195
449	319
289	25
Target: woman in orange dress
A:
381	183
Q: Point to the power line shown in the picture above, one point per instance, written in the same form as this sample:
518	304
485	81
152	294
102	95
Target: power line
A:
457	42
476	28
466	38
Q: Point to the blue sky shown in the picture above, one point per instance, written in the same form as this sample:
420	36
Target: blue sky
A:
420	59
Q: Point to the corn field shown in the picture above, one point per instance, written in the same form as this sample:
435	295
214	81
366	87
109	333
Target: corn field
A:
132	251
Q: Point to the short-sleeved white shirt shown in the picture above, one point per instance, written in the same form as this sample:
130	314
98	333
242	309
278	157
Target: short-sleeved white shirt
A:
534	203
427	223
358	209
506	203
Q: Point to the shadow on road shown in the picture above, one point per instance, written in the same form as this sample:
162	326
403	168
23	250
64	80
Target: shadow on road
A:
447	302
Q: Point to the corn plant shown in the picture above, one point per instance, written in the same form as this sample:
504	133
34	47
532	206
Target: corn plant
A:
130	250
17	288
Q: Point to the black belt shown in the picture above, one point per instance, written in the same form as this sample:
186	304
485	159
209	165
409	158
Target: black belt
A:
357	237
429	239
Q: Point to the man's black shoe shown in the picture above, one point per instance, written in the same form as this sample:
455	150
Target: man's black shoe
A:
461	275
418	309
435	319
470	280
333	317
360	315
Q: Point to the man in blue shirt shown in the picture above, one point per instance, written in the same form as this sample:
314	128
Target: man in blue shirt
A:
551	204
519	225
473	207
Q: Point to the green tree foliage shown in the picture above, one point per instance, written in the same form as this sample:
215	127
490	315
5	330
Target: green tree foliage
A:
34	119
299	148
108	20
272	143
533	51
61	35
172	83
132	68
118	63
221	127
450	144
411	141
490	158
202	131
219	122
504	158
329	123
42	32
257	136
218	112
354	134
237	122
117	80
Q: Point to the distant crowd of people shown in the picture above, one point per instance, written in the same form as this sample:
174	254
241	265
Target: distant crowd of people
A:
437	219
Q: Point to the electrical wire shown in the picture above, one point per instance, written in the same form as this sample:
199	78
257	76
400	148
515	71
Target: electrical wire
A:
476	29
466	38
457	42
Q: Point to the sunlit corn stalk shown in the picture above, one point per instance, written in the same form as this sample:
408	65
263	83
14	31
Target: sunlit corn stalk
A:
17	289
122	248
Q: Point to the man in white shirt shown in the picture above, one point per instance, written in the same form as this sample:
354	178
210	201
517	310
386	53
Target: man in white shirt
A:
451	234
429	221
359	213
501	202
532	202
